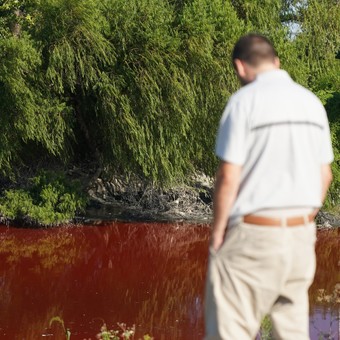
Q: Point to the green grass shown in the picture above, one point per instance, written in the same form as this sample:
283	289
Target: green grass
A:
266	329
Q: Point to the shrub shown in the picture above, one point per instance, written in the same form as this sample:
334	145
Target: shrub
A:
49	199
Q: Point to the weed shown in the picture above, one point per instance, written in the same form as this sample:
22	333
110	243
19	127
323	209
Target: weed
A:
266	329
60	321
122	333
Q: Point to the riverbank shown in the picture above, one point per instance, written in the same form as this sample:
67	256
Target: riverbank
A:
122	199
114	198
134	199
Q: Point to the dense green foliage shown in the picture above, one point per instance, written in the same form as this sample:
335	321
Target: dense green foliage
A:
51	199
138	86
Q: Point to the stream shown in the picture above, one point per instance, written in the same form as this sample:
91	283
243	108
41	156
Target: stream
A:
150	275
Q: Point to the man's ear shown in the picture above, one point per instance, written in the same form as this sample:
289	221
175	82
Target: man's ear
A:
240	69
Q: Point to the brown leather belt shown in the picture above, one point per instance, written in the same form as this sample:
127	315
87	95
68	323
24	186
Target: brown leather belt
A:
277	222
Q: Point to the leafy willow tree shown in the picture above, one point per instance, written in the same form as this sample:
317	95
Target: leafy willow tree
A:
319	43
149	117
29	113
138	86
208	31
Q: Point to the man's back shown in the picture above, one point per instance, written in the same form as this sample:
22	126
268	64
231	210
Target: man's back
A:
284	135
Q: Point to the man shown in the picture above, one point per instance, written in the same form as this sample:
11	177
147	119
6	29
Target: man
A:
275	150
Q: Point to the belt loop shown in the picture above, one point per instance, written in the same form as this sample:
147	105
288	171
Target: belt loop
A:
284	222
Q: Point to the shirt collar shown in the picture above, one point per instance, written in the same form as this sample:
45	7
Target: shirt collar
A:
272	74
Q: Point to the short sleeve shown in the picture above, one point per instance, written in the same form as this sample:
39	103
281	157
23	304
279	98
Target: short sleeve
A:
231	142
326	155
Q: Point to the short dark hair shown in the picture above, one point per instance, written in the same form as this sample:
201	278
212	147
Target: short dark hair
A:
254	49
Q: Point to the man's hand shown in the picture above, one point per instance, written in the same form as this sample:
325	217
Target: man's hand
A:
216	240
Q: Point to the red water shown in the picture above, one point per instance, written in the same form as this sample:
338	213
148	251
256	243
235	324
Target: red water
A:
151	275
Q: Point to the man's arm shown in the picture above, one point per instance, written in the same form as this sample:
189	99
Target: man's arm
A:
326	179
226	188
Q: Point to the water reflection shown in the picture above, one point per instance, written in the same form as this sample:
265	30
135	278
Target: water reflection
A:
324	293
151	275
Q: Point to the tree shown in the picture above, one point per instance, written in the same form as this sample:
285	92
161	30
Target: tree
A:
29	114
138	86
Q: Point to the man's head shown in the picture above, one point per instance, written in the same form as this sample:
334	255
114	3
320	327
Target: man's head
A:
253	54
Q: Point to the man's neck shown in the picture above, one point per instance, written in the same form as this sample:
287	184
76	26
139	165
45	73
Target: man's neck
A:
265	68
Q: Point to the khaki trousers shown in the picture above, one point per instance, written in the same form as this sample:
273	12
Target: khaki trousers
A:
260	270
